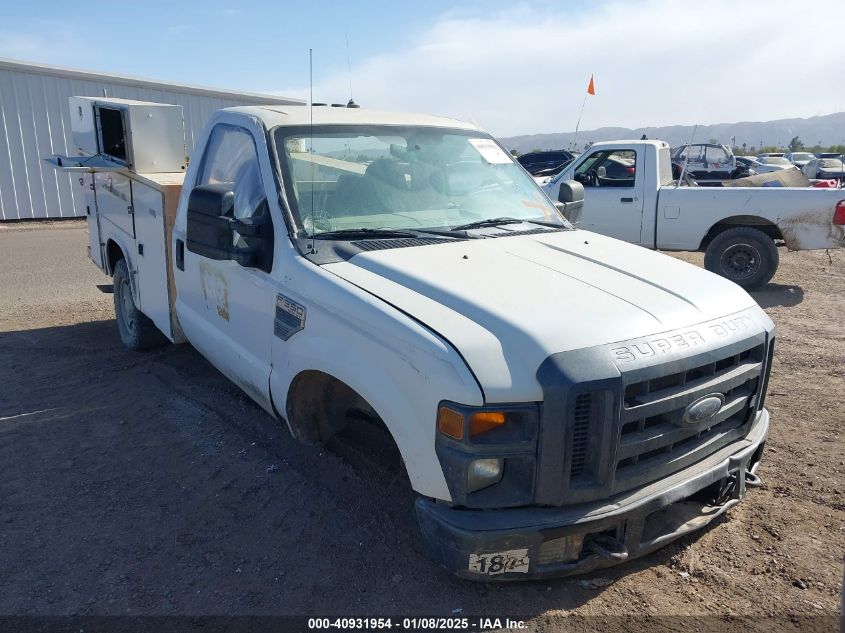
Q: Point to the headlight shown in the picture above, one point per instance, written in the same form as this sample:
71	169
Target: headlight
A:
488	454
493	425
483	472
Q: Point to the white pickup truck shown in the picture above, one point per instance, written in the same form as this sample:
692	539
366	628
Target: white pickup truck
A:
630	195
562	401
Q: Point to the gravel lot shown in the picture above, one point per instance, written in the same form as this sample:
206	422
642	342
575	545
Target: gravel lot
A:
148	484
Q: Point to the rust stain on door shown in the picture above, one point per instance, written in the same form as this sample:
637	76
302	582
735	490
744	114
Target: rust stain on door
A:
215	289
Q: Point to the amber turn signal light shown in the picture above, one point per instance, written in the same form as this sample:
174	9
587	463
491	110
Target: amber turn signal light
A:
450	423
485	421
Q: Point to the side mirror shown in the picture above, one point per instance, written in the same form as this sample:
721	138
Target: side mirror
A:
212	226
602	172
571	200
570	191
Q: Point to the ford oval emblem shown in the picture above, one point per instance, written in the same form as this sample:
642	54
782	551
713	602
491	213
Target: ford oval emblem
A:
703	408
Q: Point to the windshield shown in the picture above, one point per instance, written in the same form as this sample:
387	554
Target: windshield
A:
774	160
402	178
800	156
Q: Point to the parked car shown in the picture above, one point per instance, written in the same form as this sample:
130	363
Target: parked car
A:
750	163
825	169
770	163
799	159
706	161
545	163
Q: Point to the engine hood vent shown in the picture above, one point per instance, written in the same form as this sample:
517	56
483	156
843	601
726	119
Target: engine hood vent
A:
506	233
402	242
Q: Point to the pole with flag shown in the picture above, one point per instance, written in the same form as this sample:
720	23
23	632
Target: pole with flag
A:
591	90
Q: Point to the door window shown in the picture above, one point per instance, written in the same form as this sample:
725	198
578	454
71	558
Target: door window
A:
231	158
717	156
608	168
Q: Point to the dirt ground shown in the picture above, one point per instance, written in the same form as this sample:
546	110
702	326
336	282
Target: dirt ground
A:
149	484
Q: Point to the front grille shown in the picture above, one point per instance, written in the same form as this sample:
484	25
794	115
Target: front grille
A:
653	439
629	431
644	391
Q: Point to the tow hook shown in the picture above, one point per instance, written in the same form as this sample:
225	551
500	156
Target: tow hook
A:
752	480
606	546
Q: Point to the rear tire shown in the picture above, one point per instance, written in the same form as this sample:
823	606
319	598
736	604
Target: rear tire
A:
745	255
137	331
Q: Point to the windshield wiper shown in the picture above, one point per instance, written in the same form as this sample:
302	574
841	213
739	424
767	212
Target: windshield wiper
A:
488	222
341	234
505	220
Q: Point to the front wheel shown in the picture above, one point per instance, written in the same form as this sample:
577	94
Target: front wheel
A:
745	255
137	331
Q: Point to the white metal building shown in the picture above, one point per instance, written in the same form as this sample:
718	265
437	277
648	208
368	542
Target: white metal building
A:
35	123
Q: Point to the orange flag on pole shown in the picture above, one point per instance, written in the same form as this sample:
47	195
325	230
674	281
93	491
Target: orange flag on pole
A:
591	89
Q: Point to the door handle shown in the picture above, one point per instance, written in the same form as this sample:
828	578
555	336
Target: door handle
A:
626	199
180	254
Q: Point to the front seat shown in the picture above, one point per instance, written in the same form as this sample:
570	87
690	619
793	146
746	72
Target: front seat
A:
353	196
389	183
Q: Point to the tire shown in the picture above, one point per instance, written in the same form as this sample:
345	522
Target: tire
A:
745	255
137	331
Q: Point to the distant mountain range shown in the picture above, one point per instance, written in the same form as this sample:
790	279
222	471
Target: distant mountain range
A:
823	130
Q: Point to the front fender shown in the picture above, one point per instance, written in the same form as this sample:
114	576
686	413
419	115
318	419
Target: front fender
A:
401	369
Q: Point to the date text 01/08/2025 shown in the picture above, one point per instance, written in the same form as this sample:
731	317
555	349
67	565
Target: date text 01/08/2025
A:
415	624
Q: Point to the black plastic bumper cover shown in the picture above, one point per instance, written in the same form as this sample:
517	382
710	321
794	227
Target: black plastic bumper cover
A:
644	519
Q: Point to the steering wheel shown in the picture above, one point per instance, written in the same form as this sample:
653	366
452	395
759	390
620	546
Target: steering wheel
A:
589	179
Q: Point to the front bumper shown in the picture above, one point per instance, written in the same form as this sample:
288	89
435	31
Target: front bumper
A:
562	541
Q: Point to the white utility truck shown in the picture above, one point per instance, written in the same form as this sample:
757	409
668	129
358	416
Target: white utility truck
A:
562	401
737	228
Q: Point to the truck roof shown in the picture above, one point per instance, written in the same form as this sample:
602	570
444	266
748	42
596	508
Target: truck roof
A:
273	115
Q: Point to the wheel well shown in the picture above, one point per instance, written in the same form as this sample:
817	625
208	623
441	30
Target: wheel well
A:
319	405
113	254
751	221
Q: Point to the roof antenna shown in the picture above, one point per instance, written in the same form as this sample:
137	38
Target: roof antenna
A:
311	138
351	103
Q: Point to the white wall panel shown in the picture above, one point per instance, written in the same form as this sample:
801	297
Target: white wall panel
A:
35	123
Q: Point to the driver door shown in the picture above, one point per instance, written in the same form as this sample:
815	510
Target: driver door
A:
613	194
227	309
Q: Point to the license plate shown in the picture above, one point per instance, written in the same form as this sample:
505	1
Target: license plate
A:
494	563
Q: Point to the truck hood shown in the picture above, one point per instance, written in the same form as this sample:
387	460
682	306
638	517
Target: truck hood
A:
506	304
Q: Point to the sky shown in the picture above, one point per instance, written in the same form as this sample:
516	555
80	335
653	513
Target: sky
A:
512	67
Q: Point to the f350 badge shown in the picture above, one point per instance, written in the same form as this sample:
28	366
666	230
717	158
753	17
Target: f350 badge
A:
290	317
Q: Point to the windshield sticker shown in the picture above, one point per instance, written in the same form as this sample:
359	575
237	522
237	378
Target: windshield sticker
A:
489	151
